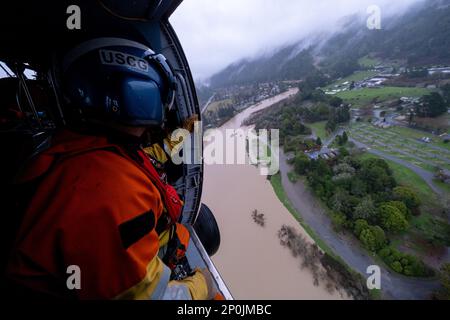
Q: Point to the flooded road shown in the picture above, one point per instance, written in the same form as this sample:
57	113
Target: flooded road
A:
251	260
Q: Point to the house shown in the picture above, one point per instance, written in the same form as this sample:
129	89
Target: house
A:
325	153
432	71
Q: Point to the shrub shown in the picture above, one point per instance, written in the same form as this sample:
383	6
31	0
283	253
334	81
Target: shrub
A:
401	206
360	225
339	220
384	253
301	163
404	263
380	237
319	141
373	238
368	239
392	219
365	209
397	267
407	196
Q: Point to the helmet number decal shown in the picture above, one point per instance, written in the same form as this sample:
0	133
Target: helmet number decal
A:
116	58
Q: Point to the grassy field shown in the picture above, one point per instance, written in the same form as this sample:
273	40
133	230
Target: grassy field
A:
442	185
416	134
362	97
404	144
368	62
357	76
319	129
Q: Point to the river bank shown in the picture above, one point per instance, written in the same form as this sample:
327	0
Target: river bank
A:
251	259
313	213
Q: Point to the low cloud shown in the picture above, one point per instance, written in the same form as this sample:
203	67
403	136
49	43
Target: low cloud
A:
215	33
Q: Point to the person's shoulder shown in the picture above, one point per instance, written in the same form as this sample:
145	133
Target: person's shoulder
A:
104	180
103	167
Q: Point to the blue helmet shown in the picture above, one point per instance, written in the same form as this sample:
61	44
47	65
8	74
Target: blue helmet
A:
118	80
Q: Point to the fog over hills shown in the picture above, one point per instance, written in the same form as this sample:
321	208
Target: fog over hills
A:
417	36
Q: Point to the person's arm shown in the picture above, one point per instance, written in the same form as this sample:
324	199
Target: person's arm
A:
196	287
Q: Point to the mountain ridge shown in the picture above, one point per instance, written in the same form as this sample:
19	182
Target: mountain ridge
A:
420	36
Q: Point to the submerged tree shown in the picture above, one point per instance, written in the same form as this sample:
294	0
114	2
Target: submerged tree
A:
259	218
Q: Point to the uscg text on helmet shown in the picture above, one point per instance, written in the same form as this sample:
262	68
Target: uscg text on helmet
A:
115	58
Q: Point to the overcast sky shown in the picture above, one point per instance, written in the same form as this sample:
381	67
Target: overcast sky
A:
215	33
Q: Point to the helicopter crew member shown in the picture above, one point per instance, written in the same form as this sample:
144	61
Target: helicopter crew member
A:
100	206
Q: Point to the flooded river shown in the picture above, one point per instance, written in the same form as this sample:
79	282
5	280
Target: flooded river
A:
251	260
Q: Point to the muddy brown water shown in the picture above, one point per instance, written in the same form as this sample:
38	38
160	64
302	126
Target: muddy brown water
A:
251	260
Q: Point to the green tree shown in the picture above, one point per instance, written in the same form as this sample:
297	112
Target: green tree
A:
404	263
367	238
331	125
380	237
432	105
392	219
407	196
358	187
397	267
344	138
373	238
400	205
339	140
319	141
301	163
365	209
339	220
377	175
446	93
360	226
336	102
343	152
343	202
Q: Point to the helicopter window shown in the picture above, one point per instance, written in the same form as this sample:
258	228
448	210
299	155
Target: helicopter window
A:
30	74
25	101
5	72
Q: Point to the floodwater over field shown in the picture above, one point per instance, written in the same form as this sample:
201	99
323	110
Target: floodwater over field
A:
251	260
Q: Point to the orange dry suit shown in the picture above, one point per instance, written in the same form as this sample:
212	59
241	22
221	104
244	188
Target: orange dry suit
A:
97	209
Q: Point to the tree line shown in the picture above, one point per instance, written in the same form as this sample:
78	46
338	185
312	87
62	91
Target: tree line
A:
364	198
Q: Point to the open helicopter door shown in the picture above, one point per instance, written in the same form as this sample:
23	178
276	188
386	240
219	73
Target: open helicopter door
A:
43	29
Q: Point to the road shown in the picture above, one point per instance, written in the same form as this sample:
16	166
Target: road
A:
208	103
393	285
331	139
427	176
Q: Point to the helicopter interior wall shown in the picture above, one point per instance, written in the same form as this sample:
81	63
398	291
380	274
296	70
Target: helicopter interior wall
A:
142	9
43	25
42	30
